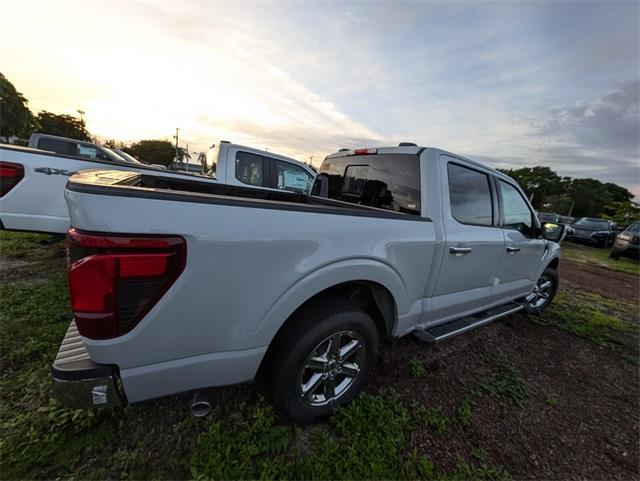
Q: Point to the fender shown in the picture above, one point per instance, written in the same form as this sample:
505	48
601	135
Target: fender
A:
355	269
551	252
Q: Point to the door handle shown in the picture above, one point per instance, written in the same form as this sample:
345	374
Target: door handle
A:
512	250
459	251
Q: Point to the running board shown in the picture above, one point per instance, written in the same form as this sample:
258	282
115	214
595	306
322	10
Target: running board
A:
453	328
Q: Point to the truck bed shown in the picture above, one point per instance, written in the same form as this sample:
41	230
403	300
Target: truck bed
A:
132	184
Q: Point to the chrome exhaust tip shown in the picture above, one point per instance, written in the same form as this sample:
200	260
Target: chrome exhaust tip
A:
201	404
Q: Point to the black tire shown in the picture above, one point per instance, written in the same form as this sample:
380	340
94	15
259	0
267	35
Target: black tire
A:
614	254
536	306
308	331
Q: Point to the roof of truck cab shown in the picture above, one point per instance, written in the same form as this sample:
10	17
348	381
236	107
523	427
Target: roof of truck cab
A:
417	150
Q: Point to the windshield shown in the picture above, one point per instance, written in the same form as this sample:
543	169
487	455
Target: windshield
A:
211	160
128	157
634	227
114	156
592	224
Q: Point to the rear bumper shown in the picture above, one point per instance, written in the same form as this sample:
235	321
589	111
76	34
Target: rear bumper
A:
79	382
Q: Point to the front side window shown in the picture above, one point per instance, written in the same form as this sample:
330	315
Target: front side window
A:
292	177
470	196
517	215
87	151
250	168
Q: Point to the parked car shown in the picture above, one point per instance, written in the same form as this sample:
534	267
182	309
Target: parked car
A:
72	147
243	166
33	180
189	288
598	232
627	243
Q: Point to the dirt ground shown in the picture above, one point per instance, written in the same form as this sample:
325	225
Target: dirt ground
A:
581	416
606	282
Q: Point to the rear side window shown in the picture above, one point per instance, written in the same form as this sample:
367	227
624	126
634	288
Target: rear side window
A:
58	146
385	181
470	196
250	168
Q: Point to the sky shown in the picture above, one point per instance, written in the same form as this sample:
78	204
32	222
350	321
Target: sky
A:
511	84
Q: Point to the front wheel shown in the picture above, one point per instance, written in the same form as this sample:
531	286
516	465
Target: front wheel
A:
543	292
322	361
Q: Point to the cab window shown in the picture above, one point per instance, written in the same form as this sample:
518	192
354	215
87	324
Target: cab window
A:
58	146
250	168
517	215
470	196
292	177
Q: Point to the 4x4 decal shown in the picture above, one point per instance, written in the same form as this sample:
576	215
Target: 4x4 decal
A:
50	171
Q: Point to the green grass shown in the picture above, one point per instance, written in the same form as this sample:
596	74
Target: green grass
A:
591	316
508	386
19	244
465	411
416	368
598	256
434	418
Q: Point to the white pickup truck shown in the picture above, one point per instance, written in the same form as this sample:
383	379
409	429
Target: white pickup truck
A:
32	180
180	287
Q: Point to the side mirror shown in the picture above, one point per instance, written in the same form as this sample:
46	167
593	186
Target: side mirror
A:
552	231
321	186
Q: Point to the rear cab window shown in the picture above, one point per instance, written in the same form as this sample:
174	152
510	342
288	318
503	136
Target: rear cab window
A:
385	181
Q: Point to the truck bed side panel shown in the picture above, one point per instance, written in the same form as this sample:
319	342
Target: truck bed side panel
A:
247	270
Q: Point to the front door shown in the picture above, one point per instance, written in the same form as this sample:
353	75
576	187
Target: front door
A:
520	265
474	243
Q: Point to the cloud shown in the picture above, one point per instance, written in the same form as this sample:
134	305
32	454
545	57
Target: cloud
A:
607	123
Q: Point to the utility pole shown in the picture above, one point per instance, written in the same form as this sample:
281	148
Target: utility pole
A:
176	137
81	112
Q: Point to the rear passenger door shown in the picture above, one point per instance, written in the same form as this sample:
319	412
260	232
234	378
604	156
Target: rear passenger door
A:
474	242
523	247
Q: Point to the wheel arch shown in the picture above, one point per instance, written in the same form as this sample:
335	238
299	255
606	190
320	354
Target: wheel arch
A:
370	284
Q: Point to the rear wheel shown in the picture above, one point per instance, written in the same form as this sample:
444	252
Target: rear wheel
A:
543	292
322	361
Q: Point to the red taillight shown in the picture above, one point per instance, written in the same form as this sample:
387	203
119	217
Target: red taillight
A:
10	175
364	151
114	280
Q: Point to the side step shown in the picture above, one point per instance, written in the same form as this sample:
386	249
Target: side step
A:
453	328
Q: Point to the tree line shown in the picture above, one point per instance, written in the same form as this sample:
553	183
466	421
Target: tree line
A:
547	191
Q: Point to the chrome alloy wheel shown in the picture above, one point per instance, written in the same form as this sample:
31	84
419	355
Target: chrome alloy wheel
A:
331	368
541	294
